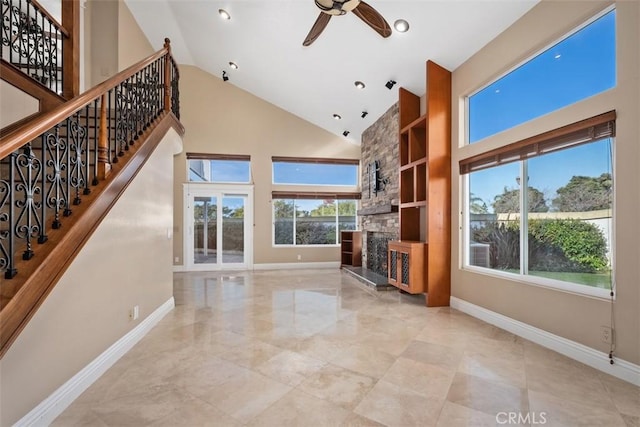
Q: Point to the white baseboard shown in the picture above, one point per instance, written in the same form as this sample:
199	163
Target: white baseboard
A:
59	400
296	265
622	369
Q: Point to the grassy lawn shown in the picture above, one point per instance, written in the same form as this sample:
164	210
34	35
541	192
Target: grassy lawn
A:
597	280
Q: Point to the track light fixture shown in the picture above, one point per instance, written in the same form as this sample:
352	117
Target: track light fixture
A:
224	76
390	84
364	114
345	133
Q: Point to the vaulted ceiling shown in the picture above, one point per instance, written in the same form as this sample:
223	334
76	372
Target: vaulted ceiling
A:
264	38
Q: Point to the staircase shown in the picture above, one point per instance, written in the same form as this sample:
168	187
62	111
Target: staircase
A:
61	172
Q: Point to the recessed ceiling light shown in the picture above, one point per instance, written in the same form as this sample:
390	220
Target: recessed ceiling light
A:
233	65
337	116
359	84
224	14
401	26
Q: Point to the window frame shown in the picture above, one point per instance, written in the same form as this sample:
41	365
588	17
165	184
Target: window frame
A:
578	28
522	276
315	160
220	157
293	195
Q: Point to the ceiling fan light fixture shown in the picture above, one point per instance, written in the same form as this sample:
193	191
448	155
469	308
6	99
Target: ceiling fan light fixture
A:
337	116
401	25
359	84
390	84
224	14
233	65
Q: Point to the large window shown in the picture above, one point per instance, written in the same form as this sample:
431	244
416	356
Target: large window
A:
581	65
542	208
312	219
313	171
219	168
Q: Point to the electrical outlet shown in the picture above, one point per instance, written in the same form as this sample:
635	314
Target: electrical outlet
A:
606	334
299	257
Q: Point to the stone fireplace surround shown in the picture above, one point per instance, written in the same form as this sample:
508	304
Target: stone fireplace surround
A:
378	217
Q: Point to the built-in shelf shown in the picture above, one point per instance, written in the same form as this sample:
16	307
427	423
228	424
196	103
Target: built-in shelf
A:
425	191
378	209
351	248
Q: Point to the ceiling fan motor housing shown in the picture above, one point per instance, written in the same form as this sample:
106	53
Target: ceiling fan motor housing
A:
337	7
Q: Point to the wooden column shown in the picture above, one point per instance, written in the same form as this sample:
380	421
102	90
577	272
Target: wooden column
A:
104	165
71	49
167	76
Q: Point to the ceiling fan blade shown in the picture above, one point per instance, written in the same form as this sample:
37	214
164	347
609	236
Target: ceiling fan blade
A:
317	28
372	18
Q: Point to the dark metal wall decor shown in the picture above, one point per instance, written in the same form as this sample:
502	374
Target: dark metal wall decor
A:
32	42
41	182
376	182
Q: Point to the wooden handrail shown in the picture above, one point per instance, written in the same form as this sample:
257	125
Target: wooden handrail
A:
53	20
24	134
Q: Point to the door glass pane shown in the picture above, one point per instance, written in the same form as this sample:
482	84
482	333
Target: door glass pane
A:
204	230
233	229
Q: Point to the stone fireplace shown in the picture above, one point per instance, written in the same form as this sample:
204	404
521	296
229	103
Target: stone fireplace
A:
378	216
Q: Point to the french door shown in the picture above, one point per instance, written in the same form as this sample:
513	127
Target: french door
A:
218	227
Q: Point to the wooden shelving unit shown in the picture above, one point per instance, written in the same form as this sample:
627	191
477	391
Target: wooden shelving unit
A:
351	248
425	186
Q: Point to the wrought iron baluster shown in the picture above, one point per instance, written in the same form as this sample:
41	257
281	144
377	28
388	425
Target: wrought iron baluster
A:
96	137
77	148
43	185
27	223
87	154
56	198
67	209
7	215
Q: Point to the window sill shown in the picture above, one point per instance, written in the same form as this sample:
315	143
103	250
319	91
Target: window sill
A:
557	285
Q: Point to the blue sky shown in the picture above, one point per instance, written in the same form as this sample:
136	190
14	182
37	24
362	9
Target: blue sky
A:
580	66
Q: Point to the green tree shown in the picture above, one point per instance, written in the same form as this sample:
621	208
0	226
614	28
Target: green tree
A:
283	208
585	193
477	205
509	201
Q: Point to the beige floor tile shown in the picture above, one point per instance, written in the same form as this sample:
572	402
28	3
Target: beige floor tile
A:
625	396
568	380
427	380
338	385
355	420
365	359
433	354
487	396
316	347
252	354
453	415
245	396
290	368
562	412
299	409
392	405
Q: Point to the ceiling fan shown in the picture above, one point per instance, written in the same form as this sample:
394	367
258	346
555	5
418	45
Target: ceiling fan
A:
362	10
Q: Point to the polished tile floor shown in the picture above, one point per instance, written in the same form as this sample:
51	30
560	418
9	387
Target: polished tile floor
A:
315	348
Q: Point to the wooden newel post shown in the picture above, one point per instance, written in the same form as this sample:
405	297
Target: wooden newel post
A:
167	76
104	165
